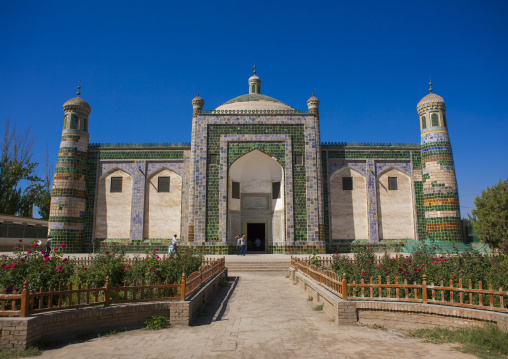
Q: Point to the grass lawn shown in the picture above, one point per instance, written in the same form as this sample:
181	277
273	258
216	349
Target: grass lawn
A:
487	342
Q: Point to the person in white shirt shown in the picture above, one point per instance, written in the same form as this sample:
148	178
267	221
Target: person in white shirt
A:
174	242
242	245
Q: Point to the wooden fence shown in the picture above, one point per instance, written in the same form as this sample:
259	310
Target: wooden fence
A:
28	302
425	293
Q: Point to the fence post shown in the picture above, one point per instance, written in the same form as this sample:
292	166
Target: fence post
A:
25	301
424	289
107	299
344	287
182	291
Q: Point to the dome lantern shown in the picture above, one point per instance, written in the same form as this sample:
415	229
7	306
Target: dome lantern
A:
197	105
254	83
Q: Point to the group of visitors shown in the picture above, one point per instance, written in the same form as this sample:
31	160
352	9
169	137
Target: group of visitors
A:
240	245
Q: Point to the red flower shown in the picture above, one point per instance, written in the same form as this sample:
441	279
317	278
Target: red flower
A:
107	252
377	267
407	272
105	262
434	247
454	276
85	268
29	252
363	273
358	266
404	265
419	269
55	249
400	269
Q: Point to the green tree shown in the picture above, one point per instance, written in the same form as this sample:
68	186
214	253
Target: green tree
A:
491	215
20	187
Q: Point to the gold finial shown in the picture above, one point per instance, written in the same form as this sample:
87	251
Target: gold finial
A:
430	85
254	69
79	88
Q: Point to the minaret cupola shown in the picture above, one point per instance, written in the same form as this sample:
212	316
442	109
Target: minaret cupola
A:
197	105
254	83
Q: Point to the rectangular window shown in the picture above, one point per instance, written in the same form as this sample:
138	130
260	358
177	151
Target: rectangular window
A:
347	183
275	190
392	183
213	159
74	122
299	160
235	190
424	122
116	184
163	185
435	119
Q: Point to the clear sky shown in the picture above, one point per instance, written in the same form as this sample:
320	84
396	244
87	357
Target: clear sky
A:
369	62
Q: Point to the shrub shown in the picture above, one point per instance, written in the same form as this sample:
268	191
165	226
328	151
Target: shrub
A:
157	322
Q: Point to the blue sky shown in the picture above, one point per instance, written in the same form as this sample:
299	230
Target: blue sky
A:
368	62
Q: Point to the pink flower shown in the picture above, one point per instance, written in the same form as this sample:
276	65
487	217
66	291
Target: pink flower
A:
36	244
7	267
22	259
55	249
65	259
14	265
29	252
46	259
59	271
59	267
62	245
156	249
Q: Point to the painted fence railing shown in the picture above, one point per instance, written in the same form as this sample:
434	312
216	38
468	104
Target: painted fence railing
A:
469	297
27	302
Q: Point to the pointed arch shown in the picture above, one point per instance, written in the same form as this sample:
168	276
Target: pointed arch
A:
163	206
113	216
348	207
395	204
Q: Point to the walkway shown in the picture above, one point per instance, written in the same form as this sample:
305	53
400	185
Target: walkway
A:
257	316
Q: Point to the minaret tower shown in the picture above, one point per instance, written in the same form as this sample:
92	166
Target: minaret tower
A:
67	212
440	194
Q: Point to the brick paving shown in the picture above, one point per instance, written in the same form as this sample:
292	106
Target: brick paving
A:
257	315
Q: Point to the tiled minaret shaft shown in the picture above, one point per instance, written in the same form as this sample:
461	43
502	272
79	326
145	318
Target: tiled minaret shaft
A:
441	199
67	212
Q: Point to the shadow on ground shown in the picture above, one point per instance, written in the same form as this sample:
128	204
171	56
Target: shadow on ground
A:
215	309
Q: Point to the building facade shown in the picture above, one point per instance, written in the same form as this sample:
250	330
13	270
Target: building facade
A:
255	166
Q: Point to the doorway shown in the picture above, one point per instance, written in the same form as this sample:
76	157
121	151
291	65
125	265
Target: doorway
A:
256	237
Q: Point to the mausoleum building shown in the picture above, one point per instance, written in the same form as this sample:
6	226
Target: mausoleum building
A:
254	166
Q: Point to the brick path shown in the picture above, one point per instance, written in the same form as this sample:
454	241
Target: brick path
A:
257	316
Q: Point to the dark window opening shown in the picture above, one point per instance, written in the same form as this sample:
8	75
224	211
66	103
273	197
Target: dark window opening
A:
163	185
424	122
392	184
435	119
213	159
275	190
299	160
65	122
347	183
235	190
116	184
444	120
85	124
74	122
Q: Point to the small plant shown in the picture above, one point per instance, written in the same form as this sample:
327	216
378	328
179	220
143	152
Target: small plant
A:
378	326
319	308
30	352
310	298
157	322
106	334
287	276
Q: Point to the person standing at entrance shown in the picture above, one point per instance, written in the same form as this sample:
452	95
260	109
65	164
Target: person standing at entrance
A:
242	245
238	245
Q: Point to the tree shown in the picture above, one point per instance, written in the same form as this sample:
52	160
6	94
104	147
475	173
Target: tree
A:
491	214
20	187
43	200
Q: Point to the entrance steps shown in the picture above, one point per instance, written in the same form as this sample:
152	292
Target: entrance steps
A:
245	264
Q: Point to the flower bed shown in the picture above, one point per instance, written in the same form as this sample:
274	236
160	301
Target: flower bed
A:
471	270
43	271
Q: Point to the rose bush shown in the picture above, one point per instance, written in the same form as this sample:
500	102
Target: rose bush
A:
489	269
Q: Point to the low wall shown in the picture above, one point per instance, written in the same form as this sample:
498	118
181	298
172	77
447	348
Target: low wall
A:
395	315
21	333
